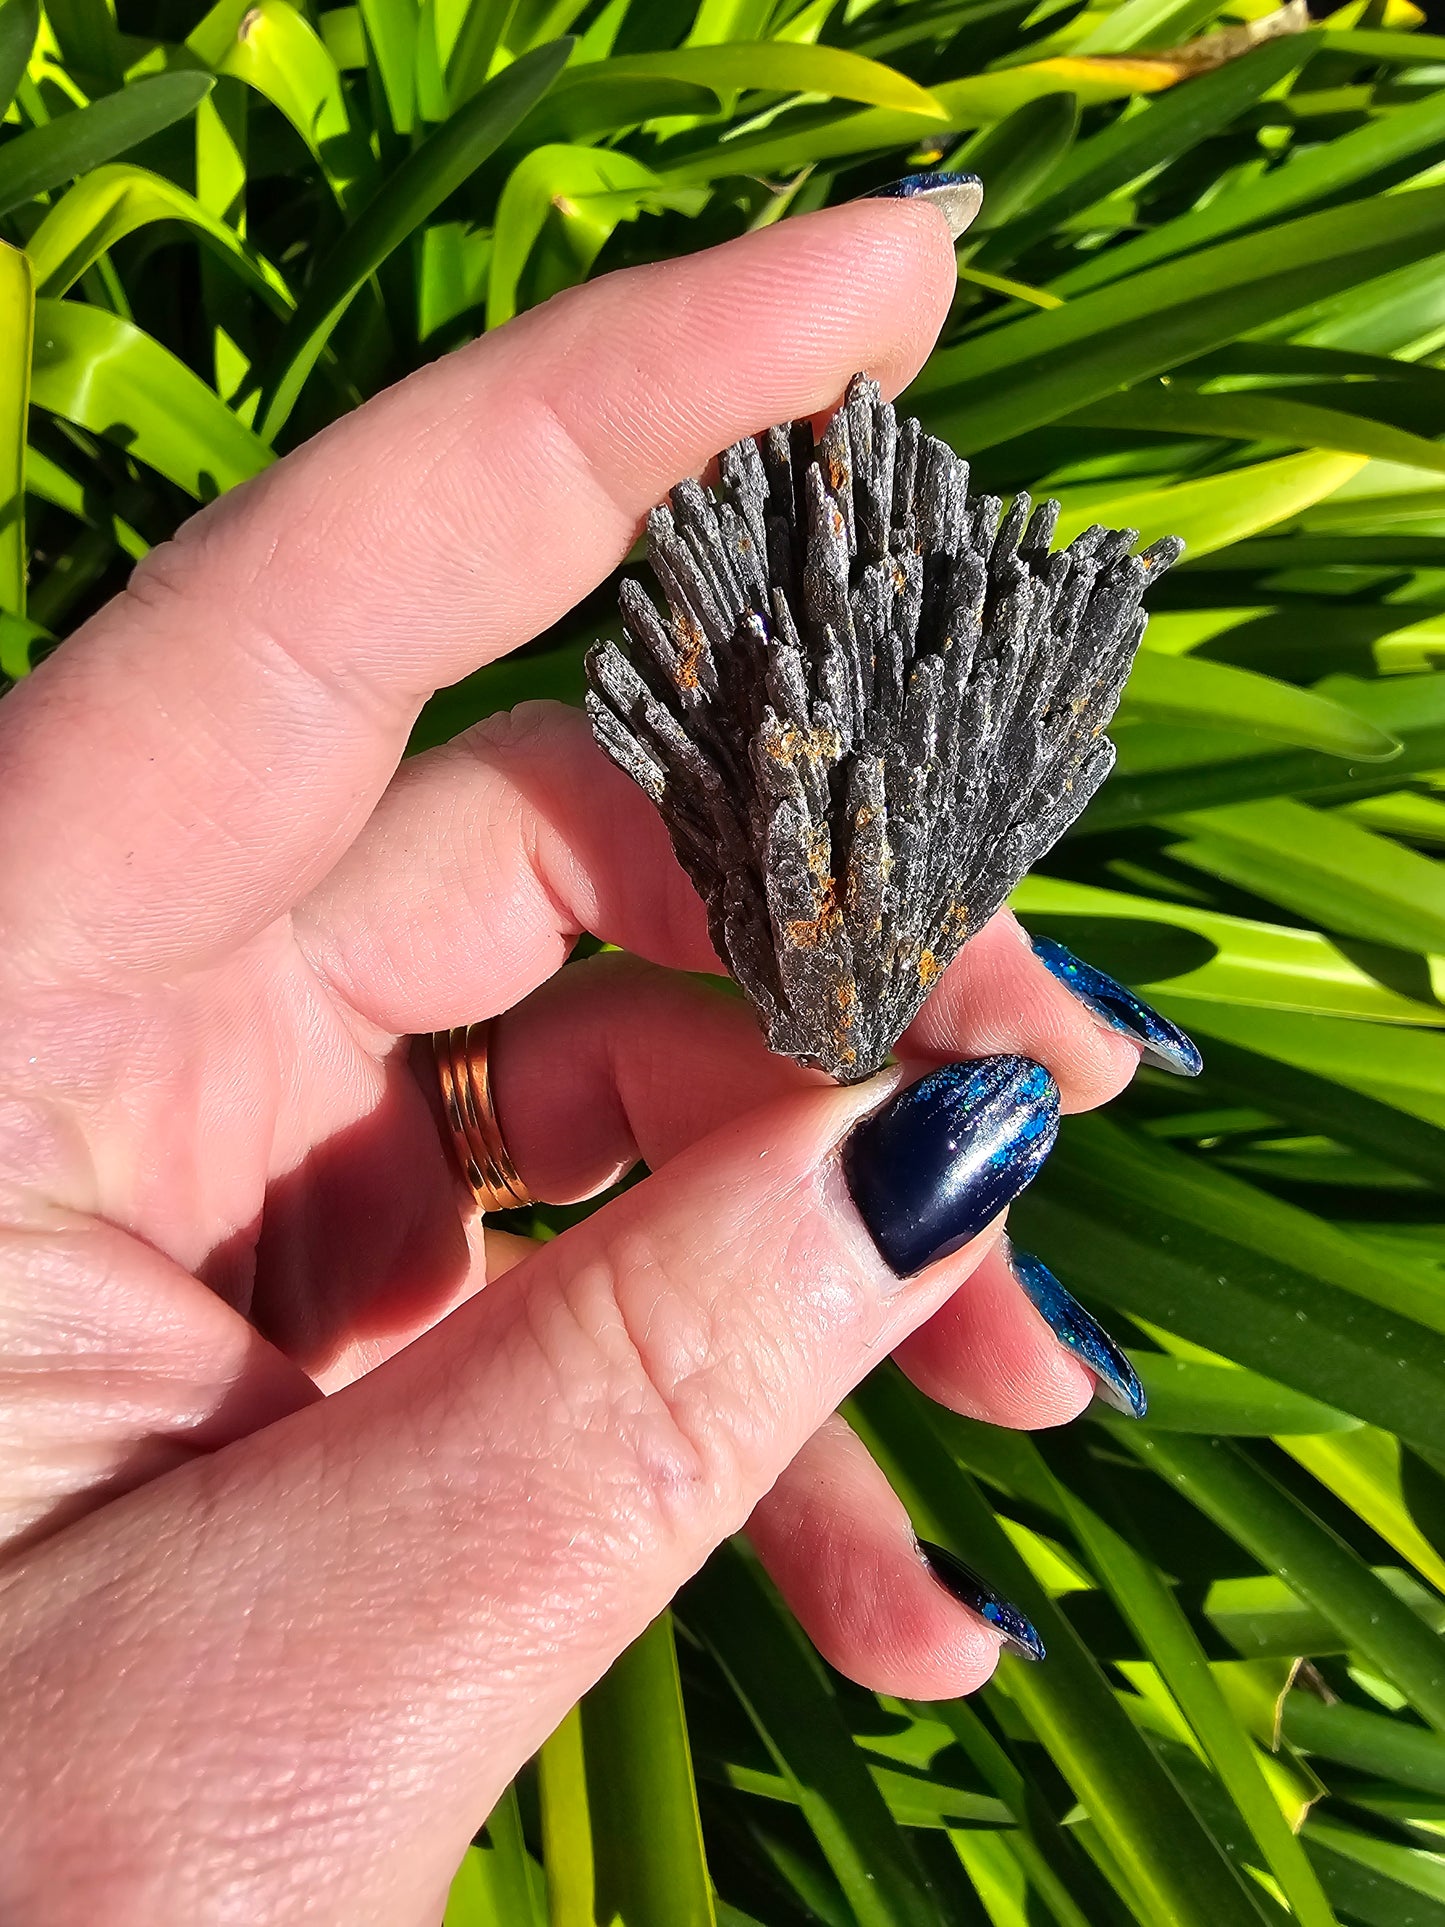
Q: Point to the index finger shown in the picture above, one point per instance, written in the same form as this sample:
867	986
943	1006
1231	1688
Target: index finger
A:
202	752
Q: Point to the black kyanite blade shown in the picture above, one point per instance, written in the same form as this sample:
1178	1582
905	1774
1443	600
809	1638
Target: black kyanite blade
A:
872	706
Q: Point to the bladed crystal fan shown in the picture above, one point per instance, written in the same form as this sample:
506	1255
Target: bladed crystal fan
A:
874	703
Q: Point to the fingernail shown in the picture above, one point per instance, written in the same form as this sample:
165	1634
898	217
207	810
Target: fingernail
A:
943	1157
964	1584
1165	1045
959	196
1079	1332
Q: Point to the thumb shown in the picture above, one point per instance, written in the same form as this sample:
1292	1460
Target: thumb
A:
390	1599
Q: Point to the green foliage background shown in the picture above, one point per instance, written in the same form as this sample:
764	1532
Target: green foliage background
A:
1212	305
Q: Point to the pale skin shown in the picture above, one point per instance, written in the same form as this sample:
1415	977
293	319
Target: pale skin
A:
271	1655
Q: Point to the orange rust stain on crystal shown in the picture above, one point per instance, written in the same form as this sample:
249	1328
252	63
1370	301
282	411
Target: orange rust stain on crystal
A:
927	968
691	645
806	933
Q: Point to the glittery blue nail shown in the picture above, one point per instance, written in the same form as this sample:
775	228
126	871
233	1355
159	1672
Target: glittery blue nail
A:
1165	1045
942	1158
963	1582
1078	1331
959	196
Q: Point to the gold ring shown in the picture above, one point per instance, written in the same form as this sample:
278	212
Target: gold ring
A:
462	1067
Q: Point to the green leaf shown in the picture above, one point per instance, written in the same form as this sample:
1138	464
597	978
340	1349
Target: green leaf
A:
1318	173
588	189
566	1826
407	198
88	41
276	52
1224	1402
1271	1525
17	314
1378	1128
1147	23
781	66
44	157
391	34
1322	866
495	1886
21	644
1409	708
19	24
1156	1846
1391	1748
1260	1618
1201	1253
1132	145
114	201
1235	966
1216	510
1164	1632
975	101
781	1683
47	480
103	374
1398	49
1194	690
1365	1470
592	100
1051	1860
913	1799
1376	1881
1048	365
1017	156
470	61
649	1866
1256	416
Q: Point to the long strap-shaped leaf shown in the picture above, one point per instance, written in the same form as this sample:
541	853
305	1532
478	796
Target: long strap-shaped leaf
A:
649	1866
17	312
1335	874
1275	1527
1134	144
106	375
1165	1858
44	157
19	23
1224	1264
781	1684
1033	371
1062	1875
1134	1583
1411	708
496	1884
114	201
1326	169
406	199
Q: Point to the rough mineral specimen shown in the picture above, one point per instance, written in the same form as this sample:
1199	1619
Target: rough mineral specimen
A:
872	705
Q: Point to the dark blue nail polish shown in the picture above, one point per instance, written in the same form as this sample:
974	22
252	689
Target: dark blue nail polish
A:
943	1157
959	196
1081	1333
965	1585
1165	1045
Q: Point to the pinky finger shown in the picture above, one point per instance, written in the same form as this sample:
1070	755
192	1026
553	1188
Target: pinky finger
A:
841	1550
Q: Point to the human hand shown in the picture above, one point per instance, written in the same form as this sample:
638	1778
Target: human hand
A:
272	1655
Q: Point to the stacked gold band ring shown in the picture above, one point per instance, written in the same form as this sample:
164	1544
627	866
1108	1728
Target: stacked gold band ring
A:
461	1058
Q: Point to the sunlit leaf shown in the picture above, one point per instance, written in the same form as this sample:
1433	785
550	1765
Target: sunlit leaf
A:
410	195
17	313
275	50
19	23
1035	370
114	201
47	156
104	374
